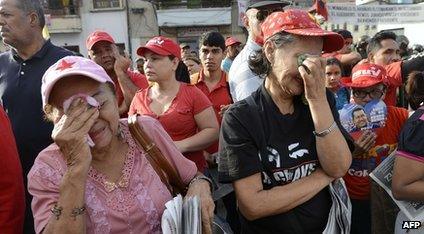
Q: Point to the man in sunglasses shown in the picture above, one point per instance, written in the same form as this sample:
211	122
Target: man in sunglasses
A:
241	79
372	208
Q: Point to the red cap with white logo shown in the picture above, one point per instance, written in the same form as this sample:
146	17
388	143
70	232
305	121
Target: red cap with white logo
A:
365	75
162	46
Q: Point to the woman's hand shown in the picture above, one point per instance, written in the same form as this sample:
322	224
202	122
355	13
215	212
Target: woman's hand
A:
202	189
364	143
71	131
314	80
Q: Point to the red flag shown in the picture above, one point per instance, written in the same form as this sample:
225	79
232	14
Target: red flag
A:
320	8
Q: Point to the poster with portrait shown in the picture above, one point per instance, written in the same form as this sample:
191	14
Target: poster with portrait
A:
356	118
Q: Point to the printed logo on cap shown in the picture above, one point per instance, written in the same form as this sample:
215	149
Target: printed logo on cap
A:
373	72
63	65
158	41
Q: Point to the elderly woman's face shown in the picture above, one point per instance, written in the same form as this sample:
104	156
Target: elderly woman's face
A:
284	61
106	126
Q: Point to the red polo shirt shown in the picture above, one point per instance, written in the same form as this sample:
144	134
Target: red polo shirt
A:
12	200
178	121
218	95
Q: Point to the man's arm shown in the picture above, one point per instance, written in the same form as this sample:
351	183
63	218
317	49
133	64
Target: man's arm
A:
121	69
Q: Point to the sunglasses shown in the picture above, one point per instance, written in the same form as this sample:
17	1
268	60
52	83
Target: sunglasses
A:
374	93
263	13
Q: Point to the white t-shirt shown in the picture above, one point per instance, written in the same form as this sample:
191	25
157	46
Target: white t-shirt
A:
242	80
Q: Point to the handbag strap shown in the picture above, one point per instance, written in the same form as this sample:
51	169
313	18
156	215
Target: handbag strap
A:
167	173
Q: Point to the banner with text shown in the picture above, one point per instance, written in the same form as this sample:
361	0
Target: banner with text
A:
375	14
242	6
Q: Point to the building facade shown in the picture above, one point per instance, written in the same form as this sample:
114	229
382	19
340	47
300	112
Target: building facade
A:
129	22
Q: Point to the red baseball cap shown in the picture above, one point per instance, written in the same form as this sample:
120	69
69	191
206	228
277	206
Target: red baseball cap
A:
162	46
97	36
300	22
231	41
365	75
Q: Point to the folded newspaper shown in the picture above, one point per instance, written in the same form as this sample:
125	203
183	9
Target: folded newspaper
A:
383	176
339	219
182	216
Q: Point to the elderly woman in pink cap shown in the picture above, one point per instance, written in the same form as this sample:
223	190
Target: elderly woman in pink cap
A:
94	178
282	146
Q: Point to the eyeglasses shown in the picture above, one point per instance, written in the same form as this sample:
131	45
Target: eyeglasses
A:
263	13
374	93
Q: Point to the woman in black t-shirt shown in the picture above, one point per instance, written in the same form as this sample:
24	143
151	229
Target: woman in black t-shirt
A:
410	154
282	146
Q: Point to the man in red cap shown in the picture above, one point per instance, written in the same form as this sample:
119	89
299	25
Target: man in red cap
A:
103	51
370	202
242	80
232	46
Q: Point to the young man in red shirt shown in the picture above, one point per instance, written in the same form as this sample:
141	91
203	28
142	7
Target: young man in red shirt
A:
212	81
103	51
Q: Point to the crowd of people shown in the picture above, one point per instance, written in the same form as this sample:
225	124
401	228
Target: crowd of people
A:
263	117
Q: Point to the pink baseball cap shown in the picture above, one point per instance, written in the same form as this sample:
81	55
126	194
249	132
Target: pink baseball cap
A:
231	41
97	36
365	75
68	66
302	23
162	46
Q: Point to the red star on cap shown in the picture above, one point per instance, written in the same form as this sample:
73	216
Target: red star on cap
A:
64	65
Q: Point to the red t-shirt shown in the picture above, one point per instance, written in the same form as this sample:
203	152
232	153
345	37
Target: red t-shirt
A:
12	200
137	78
357	179
178	120
394	73
219	95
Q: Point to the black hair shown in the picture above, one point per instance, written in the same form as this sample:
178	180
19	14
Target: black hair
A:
415	89
192	58
29	6
181	74
345	33
212	39
375	42
258	62
356	110
334	61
